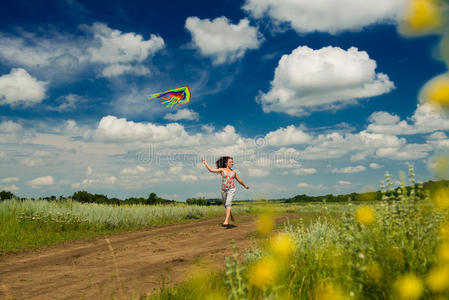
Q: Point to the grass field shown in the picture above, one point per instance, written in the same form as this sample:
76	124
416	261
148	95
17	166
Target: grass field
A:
392	249
33	223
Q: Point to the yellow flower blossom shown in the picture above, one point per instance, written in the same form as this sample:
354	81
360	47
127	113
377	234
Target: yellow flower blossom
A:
438	279
283	246
408	287
365	215
422	16
374	272
264	273
441	198
330	291
444	232
265	223
443	252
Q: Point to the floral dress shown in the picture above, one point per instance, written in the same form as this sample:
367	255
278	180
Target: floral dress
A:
227	182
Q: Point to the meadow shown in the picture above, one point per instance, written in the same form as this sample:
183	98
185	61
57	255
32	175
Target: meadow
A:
393	248
33	223
396	248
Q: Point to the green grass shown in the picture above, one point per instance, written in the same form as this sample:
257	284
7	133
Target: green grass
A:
336	256
33	223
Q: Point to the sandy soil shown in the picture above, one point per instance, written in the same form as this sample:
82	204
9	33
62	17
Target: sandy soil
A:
86	269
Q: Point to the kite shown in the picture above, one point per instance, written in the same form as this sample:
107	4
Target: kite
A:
178	96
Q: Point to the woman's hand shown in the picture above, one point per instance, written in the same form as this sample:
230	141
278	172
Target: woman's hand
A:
246	187
203	160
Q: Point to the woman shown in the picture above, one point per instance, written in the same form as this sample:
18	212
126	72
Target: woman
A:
224	166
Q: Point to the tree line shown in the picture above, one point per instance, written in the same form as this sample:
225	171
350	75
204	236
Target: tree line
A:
86	197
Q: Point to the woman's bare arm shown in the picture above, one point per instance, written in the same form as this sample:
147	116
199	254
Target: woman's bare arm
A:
209	168
240	181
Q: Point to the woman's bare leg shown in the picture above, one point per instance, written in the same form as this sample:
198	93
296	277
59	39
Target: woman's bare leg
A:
228	214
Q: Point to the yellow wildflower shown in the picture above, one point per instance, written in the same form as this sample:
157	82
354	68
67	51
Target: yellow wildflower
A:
438	279
422	16
408	287
365	215
330	291
264	273
444	231
374	272
441	198
283	246
265	223
444	251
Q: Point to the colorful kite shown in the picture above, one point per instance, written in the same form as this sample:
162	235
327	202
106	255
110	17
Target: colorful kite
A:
178	96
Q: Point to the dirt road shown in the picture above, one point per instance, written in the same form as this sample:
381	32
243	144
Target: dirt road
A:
86	269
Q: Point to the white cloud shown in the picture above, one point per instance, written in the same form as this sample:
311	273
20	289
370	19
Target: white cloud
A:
20	88
133	171
118	47
11	131
309	186
344	182
31	51
208	128
119	69
375	166
188	177
438	140
304	171
327	15
289	135
182	114
68	103
96	180
222	41
426	118
10	188
41	181
350	169
309	79
89	171
409	151
9	179
59	56
113	129
257	172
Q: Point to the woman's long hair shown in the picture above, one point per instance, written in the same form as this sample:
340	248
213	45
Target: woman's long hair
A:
221	162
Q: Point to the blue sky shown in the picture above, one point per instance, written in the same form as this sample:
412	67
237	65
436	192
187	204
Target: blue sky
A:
304	101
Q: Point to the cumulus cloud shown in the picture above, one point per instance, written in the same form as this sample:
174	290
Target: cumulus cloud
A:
11	131
119	69
289	135
10	188
252	172
308	80
113	129
187	177
114	46
310	186
426	118
327	15
133	171
41	181
344	182
350	169
221	40
409	151
375	166
58	56
20	88
304	171
182	114
9	179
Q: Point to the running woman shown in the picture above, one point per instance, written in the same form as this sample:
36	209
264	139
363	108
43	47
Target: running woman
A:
224	166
